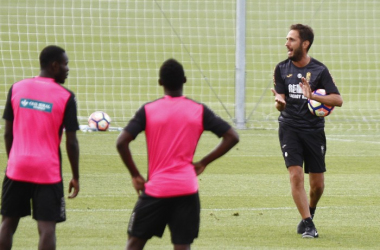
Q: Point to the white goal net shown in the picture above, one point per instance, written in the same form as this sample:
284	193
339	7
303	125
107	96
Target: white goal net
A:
116	47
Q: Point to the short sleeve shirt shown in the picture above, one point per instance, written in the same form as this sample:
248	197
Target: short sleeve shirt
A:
173	126
286	81
39	109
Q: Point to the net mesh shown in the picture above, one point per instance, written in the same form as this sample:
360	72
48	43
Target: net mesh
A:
116	47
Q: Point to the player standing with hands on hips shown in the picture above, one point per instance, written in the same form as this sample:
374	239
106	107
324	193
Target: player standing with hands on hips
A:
173	125
301	134
33	171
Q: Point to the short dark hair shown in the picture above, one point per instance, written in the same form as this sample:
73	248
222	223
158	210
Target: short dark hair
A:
172	74
50	54
306	33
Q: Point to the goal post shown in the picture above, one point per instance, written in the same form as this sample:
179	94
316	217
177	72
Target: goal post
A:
240	119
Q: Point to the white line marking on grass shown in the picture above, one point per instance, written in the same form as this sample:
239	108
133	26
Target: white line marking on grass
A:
203	209
219	209
249	208
351	140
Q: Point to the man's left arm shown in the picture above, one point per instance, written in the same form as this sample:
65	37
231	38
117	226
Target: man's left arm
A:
72	149
8	117
8	136
72	145
332	99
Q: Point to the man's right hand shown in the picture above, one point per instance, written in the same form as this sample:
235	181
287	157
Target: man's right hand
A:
74	184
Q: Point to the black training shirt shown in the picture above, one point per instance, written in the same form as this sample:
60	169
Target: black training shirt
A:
286	79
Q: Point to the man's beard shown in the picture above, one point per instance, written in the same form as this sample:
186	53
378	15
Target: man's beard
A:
297	55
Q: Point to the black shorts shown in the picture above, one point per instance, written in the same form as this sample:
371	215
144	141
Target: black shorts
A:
47	199
299	147
151	215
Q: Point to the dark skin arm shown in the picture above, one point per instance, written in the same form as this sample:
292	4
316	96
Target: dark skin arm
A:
72	148
229	139
122	144
8	136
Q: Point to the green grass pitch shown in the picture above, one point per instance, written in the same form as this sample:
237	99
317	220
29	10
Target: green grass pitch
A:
115	48
245	197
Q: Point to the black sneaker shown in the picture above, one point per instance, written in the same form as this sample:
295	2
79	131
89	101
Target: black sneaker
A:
310	232
301	227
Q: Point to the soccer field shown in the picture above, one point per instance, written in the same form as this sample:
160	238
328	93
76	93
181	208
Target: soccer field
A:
115	49
245	197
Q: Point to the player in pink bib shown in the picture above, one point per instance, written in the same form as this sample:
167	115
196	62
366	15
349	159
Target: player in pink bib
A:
36	112
173	125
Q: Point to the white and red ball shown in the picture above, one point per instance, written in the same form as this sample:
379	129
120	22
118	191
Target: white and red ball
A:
99	120
317	108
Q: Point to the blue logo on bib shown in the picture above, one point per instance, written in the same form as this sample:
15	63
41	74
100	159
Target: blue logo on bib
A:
36	105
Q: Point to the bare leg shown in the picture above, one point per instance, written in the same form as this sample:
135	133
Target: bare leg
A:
135	243
317	186
182	247
298	190
7	230
46	230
